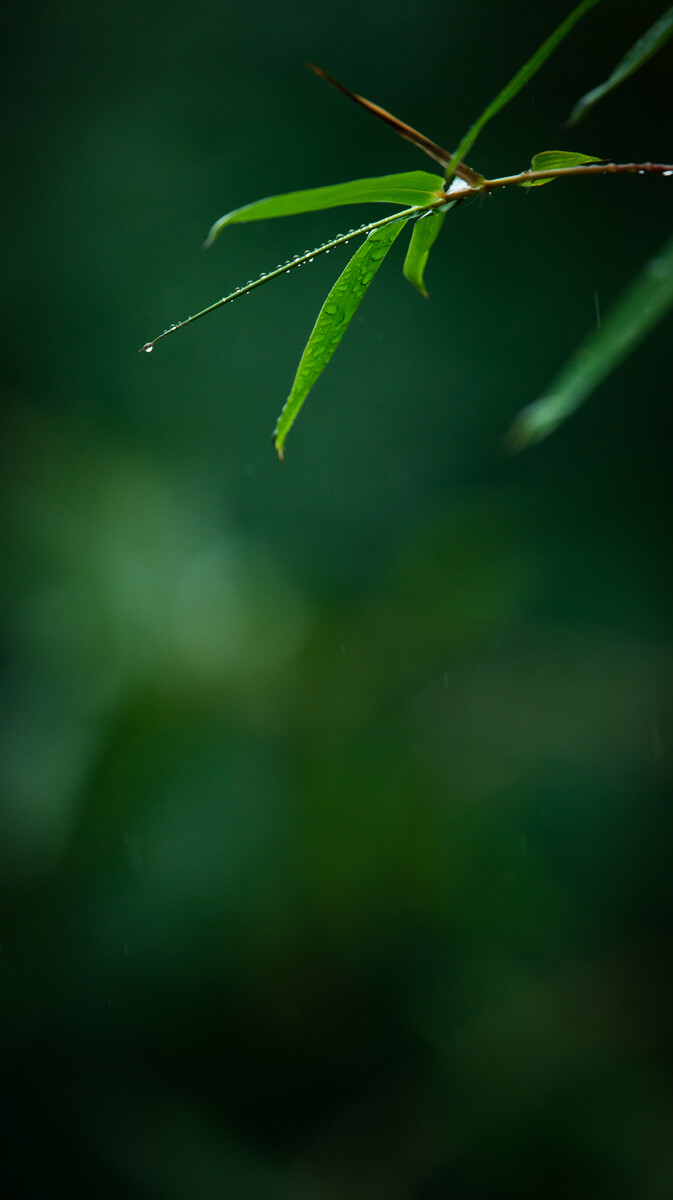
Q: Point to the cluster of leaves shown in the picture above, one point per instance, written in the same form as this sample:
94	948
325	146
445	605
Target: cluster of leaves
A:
424	199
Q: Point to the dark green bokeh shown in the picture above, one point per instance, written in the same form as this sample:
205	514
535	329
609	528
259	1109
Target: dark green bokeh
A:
336	825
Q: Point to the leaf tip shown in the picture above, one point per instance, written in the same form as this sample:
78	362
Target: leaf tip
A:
212	234
575	116
419	285
278	446
532	424
514	440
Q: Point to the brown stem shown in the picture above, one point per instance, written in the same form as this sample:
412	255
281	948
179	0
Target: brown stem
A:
610	168
440	155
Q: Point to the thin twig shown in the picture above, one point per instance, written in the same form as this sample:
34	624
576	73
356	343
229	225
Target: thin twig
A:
608	168
298	261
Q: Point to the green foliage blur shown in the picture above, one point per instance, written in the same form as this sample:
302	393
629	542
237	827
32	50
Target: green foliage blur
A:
335	832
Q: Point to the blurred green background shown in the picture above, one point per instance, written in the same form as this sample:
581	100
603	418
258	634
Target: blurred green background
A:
335	840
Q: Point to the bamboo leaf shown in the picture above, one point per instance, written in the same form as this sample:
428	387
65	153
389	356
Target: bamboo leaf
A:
426	230
519	80
657	35
333	321
408	189
637	311
552	160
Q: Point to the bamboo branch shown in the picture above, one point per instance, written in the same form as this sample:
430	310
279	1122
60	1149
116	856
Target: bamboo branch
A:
607	168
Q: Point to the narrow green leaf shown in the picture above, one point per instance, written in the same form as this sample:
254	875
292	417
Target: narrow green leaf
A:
425	231
638	309
519	80
333	321
657	35
408	189
552	160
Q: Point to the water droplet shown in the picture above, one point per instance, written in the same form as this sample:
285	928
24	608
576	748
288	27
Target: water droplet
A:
667	172
148	348
310	260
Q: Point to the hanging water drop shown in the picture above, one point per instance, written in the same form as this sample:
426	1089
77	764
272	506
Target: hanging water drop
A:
667	172
148	348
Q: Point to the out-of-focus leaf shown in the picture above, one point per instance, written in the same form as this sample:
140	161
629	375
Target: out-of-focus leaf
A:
522	76
552	160
408	189
425	232
333	321
637	56
635	313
